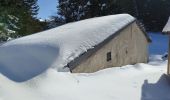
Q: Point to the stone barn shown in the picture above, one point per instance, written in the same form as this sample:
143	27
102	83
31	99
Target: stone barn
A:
127	45
80	47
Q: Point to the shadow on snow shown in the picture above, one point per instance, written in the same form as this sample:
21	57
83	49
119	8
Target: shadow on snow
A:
156	91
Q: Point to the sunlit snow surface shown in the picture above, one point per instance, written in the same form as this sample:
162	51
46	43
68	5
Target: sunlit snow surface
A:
131	82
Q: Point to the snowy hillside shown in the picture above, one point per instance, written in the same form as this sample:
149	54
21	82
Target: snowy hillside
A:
131	82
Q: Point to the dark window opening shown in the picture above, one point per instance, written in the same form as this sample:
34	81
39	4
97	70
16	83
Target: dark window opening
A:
109	56
126	52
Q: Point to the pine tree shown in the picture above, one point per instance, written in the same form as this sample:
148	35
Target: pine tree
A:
18	18
8	22
28	22
103	7
154	13
70	10
74	10
128	6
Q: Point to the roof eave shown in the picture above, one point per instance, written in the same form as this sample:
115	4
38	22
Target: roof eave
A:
144	31
166	32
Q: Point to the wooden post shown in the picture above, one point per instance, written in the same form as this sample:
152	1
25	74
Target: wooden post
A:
168	69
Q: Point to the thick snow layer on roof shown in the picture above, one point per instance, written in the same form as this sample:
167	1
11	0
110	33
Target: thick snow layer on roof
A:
24	58
167	26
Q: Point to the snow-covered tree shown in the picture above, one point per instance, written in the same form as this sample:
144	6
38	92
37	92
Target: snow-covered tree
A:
18	18
70	10
8	22
8	27
74	10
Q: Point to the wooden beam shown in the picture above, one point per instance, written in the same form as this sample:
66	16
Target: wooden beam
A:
168	69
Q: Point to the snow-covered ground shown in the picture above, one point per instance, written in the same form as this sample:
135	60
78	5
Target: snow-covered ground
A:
131	82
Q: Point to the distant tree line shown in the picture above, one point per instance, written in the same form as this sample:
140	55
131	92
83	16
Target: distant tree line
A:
152	13
18	18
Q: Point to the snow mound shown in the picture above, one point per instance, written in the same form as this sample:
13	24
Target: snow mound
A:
23	58
135	82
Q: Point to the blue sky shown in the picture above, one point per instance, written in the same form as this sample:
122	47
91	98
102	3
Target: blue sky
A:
47	8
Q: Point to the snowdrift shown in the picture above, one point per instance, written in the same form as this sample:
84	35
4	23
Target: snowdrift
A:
23	58
138	82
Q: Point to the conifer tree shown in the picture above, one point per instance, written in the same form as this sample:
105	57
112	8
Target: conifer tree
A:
18	18
74	10
8	21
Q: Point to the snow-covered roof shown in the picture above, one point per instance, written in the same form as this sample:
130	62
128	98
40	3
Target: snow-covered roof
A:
167	26
31	55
